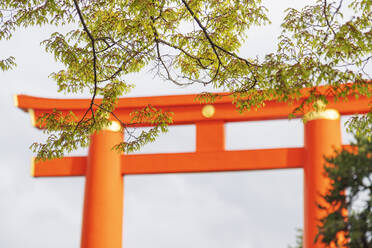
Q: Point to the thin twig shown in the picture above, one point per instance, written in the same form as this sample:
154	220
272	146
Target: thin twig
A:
326	17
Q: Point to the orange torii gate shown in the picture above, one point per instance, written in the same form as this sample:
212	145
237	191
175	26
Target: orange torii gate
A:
104	168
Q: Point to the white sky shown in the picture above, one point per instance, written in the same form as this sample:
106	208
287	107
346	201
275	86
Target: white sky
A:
235	209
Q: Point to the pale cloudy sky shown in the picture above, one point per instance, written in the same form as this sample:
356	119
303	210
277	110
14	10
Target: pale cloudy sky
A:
232	209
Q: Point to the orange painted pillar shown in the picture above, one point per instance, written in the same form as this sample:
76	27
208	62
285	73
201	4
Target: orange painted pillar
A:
103	200
322	137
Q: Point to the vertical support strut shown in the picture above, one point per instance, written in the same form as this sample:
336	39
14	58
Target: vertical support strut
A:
322	137
210	136
103	200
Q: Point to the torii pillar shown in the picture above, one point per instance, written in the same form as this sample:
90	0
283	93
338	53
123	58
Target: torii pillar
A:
322	137
103	199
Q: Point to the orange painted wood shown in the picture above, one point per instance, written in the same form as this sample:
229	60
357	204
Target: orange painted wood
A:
186	110
322	137
67	166
264	159
279	158
210	136
103	198
26	102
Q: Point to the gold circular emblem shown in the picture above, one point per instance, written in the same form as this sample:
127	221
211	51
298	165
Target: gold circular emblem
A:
208	111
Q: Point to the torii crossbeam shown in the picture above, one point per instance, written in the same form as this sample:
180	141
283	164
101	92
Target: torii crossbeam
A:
103	168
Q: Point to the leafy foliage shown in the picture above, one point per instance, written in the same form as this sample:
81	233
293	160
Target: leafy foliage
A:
7	63
192	42
362	125
351	176
151	116
299	239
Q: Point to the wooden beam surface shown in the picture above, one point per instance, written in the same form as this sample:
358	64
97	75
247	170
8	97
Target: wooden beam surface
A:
263	159
244	160
185	109
67	166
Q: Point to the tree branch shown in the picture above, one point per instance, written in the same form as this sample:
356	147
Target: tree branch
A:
94	63
213	44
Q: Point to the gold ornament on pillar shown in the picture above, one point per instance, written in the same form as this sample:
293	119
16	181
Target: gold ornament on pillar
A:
114	127
321	112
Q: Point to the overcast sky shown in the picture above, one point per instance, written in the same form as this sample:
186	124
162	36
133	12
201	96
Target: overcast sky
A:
232	209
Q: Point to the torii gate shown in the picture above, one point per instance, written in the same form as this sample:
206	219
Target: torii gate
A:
104	168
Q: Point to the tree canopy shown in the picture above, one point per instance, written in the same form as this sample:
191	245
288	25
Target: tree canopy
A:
350	172
191	42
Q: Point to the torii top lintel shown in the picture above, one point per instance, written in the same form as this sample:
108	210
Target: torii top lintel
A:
186	109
